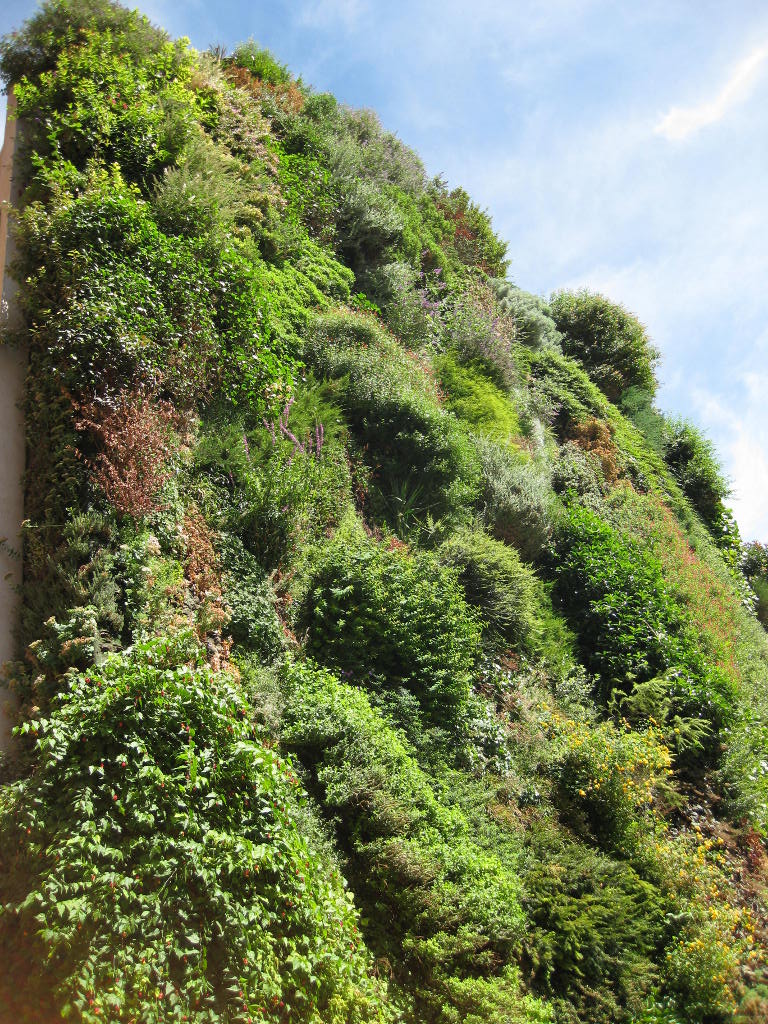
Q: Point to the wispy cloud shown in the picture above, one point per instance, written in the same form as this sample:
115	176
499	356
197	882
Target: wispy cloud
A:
329	12
680	122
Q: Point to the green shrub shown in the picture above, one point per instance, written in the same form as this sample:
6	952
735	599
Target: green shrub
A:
153	866
470	234
97	103
440	906
311	194
261	63
359	148
607	778
580	472
609	342
394	620
630	628
637	405
481	333
209	192
367	224
424	465
534	326
693	460
496	581
148	306
594	928
72	568
277	487
754	565
701	969
324	271
474	398
253	621
409	309
59	23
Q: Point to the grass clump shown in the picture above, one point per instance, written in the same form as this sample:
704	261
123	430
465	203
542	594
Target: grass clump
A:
424	466
496	581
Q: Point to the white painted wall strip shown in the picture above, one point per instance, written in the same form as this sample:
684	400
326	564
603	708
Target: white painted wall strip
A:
12	451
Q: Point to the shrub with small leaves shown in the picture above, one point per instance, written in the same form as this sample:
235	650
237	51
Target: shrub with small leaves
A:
424	463
253	620
395	620
517	501
609	341
440	899
630	626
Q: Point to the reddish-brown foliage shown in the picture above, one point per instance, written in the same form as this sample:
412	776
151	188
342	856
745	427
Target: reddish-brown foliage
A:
288	97
201	568
593	435
135	435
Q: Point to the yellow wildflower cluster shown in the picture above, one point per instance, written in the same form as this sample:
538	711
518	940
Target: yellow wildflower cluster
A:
615	765
703	960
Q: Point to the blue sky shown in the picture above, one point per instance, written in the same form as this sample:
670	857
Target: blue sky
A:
618	145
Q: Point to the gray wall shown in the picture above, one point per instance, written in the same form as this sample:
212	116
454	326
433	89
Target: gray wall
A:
12	452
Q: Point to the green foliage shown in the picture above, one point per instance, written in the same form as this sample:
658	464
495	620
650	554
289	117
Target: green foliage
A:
153	867
472	397
69	568
138	115
192	224
409	309
482	333
443	910
424	464
579	472
691	457
594	929
277	487
516	499
534	326
253	621
311	194
496	581
630	628
606	778
654	701
396	621
697	964
359	148
210	193
755	567
609	342
58	24
261	63
470	235
150	307
368	224
637	405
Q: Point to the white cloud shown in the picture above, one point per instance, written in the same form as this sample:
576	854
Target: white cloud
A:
680	122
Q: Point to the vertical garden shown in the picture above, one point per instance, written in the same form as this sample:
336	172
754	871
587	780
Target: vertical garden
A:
385	654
